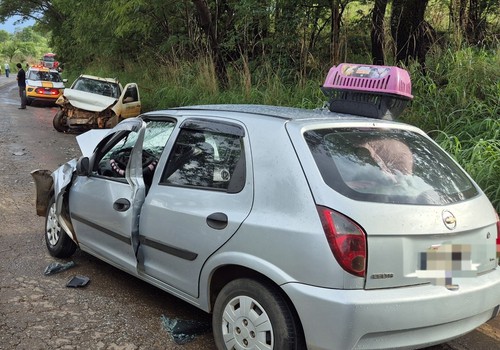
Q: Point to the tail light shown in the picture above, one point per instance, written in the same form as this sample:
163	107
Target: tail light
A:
346	239
498	235
46	91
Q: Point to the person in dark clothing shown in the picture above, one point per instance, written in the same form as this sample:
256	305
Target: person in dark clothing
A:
21	83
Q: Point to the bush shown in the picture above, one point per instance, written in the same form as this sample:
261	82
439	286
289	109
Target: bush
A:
457	103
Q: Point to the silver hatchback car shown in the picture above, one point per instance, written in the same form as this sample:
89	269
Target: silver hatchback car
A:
295	228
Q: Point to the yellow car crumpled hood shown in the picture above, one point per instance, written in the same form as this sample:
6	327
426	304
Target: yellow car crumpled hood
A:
88	101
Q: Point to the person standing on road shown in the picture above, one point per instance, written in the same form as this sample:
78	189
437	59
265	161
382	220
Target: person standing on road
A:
7	69
21	83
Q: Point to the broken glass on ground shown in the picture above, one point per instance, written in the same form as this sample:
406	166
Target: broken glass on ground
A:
78	281
184	331
55	267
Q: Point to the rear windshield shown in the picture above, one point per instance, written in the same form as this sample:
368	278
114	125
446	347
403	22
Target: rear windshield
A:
388	166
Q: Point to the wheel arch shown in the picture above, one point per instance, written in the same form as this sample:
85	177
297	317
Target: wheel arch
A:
235	264
227	273
60	121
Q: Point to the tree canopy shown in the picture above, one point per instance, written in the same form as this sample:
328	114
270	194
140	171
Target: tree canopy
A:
24	45
290	33
276	51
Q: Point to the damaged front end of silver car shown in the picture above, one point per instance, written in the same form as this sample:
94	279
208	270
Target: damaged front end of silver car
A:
53	184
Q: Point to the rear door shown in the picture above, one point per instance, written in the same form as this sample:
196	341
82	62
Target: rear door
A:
202	197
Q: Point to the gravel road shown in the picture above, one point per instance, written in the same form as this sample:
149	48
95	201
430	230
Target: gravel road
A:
115	311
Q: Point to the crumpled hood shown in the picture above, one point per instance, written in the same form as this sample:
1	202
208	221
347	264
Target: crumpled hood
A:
88	101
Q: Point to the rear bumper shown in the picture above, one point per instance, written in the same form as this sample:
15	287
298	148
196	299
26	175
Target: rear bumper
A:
396	318
40	98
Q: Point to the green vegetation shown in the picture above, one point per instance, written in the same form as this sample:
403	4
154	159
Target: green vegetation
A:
278	52
25	45
458	104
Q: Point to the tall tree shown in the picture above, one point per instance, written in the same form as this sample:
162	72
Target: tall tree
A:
412	35
337	8
205	22
39	10
470	18
377	32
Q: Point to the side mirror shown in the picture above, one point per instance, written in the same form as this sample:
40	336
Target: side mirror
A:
65	80
83	167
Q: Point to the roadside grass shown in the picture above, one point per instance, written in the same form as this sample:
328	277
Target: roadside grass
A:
457	102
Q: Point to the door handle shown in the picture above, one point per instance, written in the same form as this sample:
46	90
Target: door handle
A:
217	221
121	204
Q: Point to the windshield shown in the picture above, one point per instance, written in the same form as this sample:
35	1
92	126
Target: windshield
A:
45	76
390	166
99	87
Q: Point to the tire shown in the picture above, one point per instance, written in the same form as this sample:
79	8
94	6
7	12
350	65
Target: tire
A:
59	244
112	122
244	301
59	122
29	101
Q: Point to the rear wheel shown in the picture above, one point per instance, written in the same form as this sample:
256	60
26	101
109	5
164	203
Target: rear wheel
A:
59	122
252	315
29	101
59	244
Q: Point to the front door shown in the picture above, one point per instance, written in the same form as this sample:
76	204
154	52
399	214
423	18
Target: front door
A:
105	206
130	101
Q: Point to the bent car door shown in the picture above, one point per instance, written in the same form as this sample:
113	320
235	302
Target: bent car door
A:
202	197
105	205
129	102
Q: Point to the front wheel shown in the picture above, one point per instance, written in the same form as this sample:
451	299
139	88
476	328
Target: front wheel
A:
252	315
59	121
112	122
59	244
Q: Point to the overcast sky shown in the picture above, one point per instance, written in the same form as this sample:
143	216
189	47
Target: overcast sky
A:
11	27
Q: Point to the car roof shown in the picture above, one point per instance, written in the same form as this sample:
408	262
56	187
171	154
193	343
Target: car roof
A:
44	69
109	80
275	112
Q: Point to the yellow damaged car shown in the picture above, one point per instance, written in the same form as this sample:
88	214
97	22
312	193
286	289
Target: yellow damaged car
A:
43	85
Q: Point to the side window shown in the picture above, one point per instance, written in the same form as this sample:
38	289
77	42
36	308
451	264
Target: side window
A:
206	159
115	157
131	95
114	161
